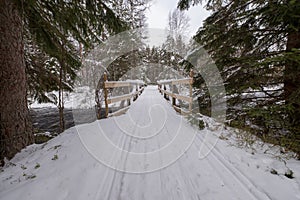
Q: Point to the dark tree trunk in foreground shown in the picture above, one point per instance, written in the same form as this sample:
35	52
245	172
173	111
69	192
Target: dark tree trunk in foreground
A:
15	125
292	79
292	82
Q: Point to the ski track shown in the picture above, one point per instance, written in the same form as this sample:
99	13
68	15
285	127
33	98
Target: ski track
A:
189	178
177	183
256	192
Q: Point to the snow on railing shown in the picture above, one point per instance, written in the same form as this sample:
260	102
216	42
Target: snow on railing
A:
173	82
139	88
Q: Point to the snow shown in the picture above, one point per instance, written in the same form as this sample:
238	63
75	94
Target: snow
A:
135	81
81	97
166	81
153	153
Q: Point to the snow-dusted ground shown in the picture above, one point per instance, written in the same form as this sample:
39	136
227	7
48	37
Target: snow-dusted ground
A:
81	97
79	164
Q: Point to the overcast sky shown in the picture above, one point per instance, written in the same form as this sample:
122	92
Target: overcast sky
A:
158	14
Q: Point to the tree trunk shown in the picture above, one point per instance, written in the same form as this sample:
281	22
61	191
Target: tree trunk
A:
61	99
292	83
15	125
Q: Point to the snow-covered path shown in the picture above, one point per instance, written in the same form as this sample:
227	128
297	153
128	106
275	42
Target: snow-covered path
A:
151	152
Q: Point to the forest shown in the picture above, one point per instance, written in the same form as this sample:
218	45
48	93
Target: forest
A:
49	49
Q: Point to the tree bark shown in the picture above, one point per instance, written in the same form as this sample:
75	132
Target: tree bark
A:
292	74
15	125
292	79
61	99
292	84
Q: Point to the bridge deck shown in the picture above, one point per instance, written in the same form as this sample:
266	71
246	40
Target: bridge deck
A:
152	137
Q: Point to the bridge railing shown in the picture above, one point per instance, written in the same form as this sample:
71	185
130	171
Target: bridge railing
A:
175	96
139	87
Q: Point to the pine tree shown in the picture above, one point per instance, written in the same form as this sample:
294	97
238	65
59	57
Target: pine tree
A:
178	24
54	26
255	44
133	12
15	122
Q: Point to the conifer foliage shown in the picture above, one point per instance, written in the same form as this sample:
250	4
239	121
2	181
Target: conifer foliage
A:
42	36
256	46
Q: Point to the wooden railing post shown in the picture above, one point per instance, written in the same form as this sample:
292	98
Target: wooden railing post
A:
105	94
126	86
141	87
191	89
165	95
136	92
98	100
129	91
159	88
173	98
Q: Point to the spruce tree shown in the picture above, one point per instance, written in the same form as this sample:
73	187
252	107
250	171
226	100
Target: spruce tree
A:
55	26
255	44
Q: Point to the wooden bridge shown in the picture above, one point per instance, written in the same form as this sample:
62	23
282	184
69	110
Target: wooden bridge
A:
136	87
151	136
150	152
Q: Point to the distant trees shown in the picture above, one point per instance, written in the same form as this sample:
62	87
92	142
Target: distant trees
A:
50	31
91	74
174	47
256	46
178	25
131	11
